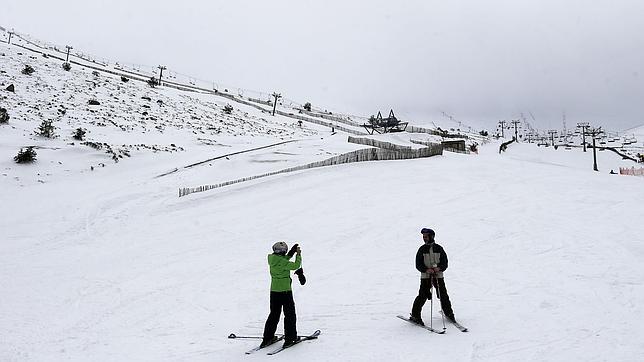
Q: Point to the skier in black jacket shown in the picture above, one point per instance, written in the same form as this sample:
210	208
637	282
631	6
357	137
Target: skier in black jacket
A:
431	262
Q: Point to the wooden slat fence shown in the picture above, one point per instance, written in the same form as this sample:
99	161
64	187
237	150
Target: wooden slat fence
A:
369	154
414	129
331	117
381	144
320	122
632	171
448	149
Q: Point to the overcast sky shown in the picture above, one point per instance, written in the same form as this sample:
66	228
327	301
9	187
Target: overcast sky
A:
479	61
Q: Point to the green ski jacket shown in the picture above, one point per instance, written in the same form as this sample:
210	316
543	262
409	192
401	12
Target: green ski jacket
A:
281	267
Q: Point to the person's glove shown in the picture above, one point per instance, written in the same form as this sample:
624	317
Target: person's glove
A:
300	276
433	270
292	251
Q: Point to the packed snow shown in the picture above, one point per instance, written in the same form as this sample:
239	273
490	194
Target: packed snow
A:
107	263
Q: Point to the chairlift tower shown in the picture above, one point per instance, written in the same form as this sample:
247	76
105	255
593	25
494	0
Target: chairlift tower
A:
162	68
552	133
530	137
564	122
276	96
515	123
594	132
68	49
583	126
502	123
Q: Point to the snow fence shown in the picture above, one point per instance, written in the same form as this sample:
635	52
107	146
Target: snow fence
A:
383	145
369	154
632	171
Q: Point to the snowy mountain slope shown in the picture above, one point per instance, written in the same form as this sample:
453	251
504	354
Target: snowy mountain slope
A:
636	133
134	121
288	107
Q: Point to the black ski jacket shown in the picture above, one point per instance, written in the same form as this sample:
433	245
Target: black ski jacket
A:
429	254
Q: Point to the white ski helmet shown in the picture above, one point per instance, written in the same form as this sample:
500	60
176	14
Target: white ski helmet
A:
280	247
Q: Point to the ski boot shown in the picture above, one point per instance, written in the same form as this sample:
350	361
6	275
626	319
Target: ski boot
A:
268	341
417	320
291	341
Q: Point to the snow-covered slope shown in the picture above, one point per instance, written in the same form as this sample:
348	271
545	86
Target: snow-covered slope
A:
637	132
545	262
133	123
110	265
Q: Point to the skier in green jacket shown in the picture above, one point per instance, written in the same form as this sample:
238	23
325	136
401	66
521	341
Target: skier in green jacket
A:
281	293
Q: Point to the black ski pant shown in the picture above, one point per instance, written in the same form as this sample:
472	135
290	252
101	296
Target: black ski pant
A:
281	300
425	292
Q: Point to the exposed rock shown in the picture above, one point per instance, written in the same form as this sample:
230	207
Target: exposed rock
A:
28	70
11	88
94	102
4	116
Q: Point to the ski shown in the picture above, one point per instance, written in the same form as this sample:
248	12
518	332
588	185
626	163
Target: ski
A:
234	336
302	339
421	326
457	325
260	347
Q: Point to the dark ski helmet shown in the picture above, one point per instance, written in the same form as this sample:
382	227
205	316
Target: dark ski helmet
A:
428	231
280	247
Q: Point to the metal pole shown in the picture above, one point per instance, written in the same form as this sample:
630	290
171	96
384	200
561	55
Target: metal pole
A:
161	73
552	133
594	155
594	133
583	136
583	126
68	49
502	123
440	301
516	137
277	96
431	304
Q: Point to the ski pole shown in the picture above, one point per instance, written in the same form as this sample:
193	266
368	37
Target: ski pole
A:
431	304
441	303
234	336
